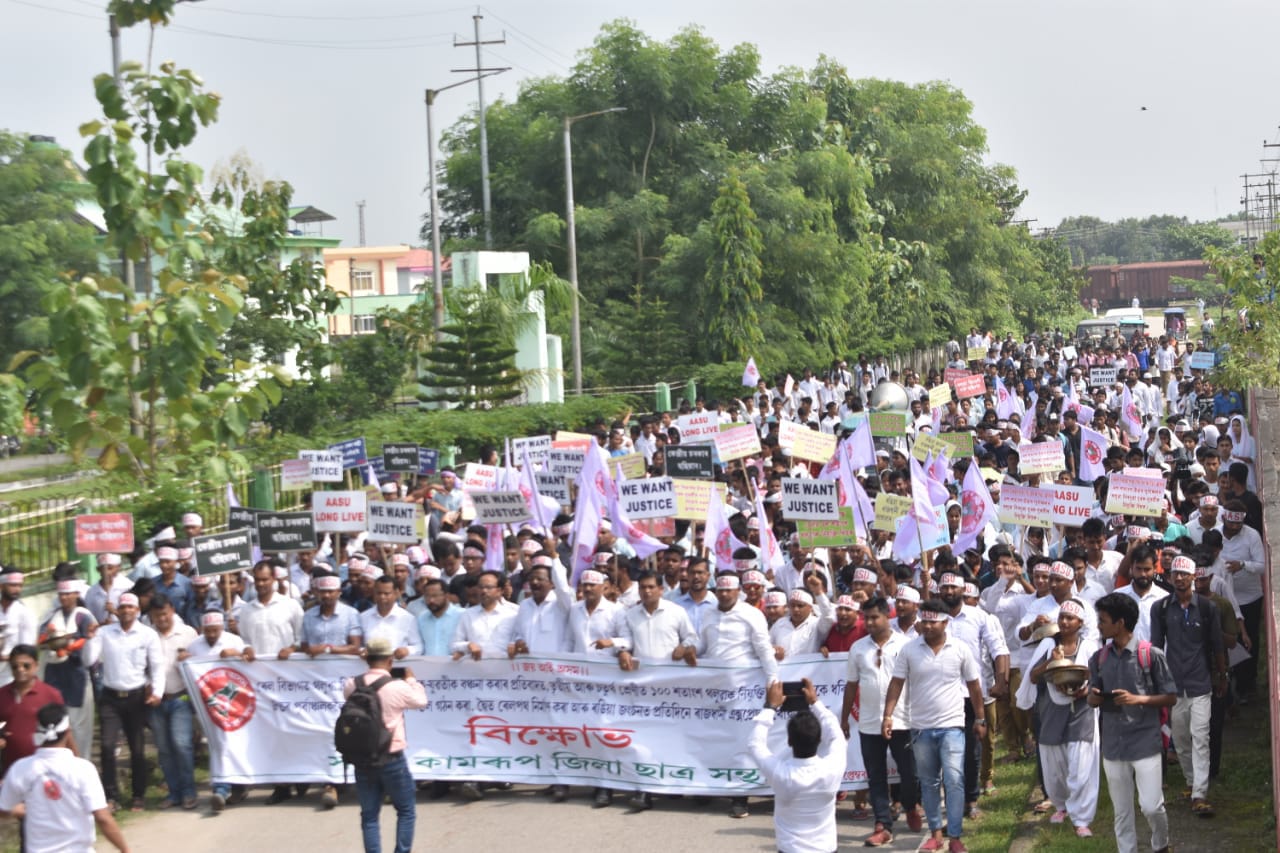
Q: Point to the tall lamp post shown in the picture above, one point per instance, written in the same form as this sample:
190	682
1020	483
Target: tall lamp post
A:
573	239
437	276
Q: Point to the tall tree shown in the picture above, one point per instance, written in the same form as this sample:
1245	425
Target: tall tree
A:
43	242
731	287
474	366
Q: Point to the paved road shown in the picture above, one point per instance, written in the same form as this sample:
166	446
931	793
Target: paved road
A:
24	463
689	824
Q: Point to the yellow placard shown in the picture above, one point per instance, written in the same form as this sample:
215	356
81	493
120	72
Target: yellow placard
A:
693	497
889	508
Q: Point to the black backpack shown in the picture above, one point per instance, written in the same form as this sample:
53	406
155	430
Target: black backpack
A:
362	739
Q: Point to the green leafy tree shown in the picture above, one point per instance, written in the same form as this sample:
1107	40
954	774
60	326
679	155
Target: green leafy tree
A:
732	291
138	376
1248	336
247	220
474	366
43	243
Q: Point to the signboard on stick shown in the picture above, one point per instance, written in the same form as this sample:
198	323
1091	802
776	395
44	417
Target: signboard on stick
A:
632	465
394	521
652	498
555	486
286	531
295	475
353	452
889	508
696	462
939	396
737	442
693	498
961	444
500	507
699	426
1043	457
828	534
565	460
975	353
1130	495
1203	359
889	424
428	461
536	445
220	553
340	512
810	500
111	533
1026	505
401	458
970	386
1072	505
1099	376
326	465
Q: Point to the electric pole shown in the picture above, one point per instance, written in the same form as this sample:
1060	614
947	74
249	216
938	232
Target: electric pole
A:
480	71
360	210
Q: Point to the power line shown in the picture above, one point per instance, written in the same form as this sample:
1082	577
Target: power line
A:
530	36
548	57
208	8
43	8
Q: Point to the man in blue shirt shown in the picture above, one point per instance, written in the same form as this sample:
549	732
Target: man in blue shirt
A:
331	627
437	622
1227	402
175	587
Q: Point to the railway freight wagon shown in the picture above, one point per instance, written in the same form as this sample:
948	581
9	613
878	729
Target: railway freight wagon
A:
1115	285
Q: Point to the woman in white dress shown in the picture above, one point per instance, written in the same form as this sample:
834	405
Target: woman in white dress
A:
1243	448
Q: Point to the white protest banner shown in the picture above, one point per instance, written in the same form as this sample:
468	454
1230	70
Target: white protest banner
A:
1101	376
976	353
394	521
1044	457
1130	495
737	442
295	475
1026	505
555	486
1146	473
476	476
700	426
326	465
1072	505
572	719
500	507
810	500
537	445
340	512
653	498
1069	352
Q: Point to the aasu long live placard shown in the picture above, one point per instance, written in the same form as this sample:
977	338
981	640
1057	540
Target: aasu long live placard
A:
810	500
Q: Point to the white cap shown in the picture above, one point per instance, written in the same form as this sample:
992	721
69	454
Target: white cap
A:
192	519
592	576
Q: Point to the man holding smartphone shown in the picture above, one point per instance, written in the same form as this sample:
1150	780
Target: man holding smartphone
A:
804	783
397	692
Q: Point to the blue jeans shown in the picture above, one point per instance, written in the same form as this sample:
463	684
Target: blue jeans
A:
940	762
171	723
394	780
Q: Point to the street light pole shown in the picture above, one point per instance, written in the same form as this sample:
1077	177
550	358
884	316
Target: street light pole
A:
576	331
437	275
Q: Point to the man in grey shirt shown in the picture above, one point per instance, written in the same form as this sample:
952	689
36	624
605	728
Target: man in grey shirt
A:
1186	626
1130	681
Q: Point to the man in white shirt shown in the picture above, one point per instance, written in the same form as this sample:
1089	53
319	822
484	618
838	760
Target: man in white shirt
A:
484	631
133	673
543	617
17	622
1142	588
1244	558
390	621
1100	564
173	721
804	783
804	630
868	673
940	671
271	626
737	632
101	598
65	821
67	668
1205	519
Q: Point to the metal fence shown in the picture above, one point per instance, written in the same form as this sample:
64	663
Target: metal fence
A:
36	535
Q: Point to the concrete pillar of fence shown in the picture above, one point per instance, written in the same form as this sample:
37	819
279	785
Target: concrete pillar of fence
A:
261	490
662	397
691	391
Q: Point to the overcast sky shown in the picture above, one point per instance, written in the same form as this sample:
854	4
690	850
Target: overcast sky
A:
328	94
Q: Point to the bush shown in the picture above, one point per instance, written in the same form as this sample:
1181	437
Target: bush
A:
441	429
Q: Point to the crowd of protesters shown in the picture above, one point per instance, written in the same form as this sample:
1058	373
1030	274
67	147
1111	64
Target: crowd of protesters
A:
1075	647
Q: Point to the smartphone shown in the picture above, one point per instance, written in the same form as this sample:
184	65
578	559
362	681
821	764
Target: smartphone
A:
794	700
399	672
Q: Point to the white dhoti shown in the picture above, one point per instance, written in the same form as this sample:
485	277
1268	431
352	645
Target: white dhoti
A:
82	722
1071	779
